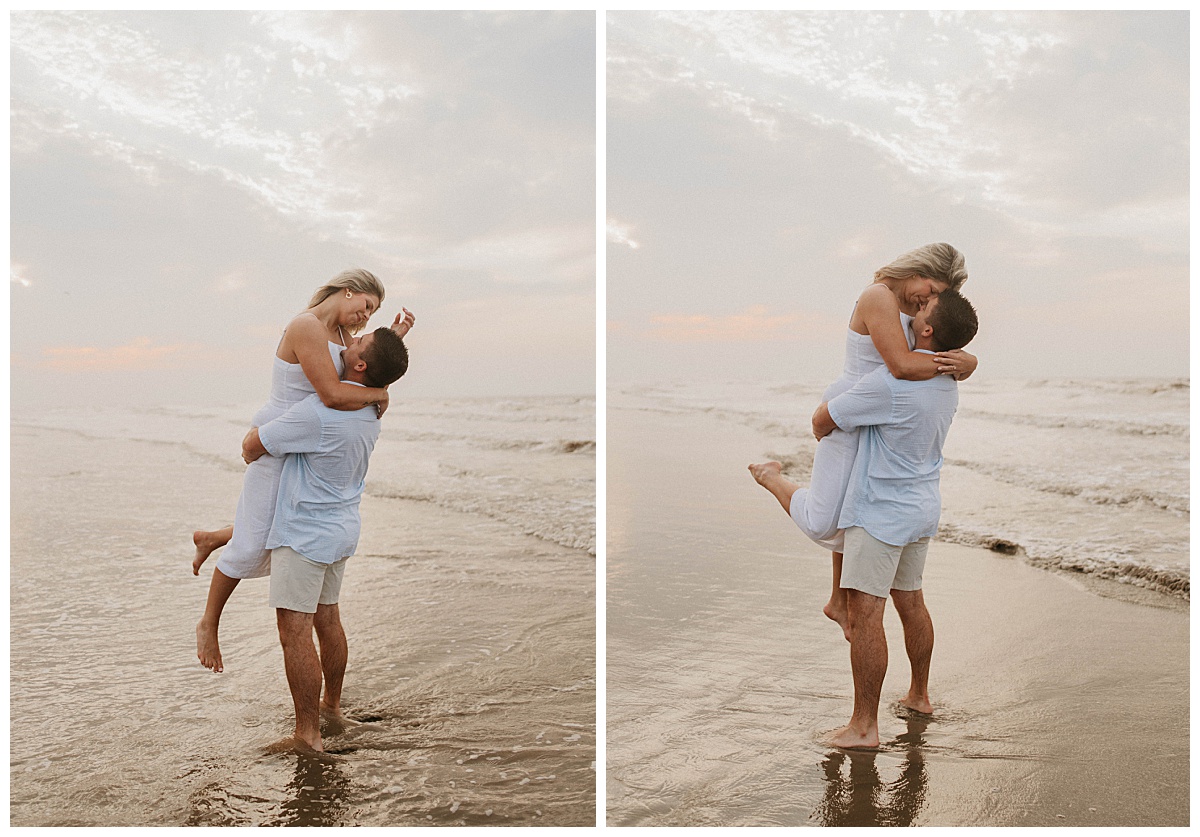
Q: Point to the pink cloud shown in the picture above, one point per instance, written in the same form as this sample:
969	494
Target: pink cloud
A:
140	354
754	325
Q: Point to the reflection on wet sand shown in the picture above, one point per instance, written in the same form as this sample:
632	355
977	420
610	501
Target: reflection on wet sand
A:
862	798
319	794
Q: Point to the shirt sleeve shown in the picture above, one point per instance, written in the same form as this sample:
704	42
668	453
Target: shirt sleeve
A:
867	402
296	431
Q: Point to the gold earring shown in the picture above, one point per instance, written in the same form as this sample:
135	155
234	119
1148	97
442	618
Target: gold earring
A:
348	294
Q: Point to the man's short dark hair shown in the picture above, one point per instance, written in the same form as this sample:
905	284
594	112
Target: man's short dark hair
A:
954	321
386	357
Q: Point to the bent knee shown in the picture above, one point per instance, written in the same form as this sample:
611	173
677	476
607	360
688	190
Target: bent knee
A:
811	525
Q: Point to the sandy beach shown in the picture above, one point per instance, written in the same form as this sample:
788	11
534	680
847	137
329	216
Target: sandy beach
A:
472	650
1060	699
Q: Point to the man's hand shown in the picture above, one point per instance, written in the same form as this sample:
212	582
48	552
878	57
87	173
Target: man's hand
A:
822	422
252	446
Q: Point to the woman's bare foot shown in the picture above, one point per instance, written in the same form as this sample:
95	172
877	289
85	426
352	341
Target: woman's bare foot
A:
770	476
839	615
206	544
917	703
208	651
850	739
765	471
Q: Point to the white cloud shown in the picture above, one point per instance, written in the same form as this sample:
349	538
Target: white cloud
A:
619	233
239	119
920	89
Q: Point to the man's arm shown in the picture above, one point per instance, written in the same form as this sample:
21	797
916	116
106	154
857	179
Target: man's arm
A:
296	431
866	403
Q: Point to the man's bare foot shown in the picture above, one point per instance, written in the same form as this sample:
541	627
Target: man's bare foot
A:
850	739
207	649
335	722
292	744
917	703
765	471
839	615
206	543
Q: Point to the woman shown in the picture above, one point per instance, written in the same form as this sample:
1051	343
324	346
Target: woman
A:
307	360
879	334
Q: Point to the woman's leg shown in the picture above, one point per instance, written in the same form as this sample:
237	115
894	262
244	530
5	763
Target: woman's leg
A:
244	556
207	648
770	476
207	543
836	608
816	509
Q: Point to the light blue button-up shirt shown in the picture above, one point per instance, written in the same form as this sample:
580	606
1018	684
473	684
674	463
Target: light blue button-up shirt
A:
894	485
323	477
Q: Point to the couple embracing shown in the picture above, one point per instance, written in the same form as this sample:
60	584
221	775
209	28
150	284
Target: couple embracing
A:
297	519
874	499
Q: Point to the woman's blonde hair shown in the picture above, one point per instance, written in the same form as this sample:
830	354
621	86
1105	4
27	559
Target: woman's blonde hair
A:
939	262
355	279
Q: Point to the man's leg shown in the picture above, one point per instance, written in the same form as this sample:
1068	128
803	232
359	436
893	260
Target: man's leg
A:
208	650
868	661
333	656
303	668
918	642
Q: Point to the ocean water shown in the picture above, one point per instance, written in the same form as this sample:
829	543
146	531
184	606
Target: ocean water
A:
528	462
1081	475
469	608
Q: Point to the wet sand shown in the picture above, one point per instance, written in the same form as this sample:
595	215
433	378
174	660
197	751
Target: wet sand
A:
1056	703
472	660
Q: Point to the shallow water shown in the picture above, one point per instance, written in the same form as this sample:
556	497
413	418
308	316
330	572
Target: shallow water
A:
472	650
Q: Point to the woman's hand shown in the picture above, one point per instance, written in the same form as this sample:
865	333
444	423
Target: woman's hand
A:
382	404
956	362
252	446
822	423
403	322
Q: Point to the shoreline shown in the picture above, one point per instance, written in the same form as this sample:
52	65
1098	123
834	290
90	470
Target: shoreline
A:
1078	490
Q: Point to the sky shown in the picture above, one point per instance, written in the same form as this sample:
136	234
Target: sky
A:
762	166
181	182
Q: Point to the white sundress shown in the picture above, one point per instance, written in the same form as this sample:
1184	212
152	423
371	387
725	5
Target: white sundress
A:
246	555
816	509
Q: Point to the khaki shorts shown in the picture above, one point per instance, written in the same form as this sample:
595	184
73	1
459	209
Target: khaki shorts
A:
300	584
875	567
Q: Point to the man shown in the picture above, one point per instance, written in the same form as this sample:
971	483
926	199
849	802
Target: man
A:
317	524
891	509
